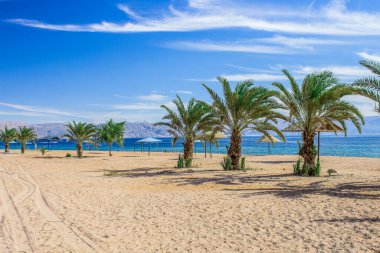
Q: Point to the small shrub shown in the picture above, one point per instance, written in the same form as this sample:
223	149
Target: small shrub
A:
43	151
305	169
242	164
317	169
297	167
180	162
188	162
227	163
68	155
331	171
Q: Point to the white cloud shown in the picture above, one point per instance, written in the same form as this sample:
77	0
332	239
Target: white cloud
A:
343	72
182	92
153	97
365	105
332	19
128	11
230	47
372	57
38	110
273	45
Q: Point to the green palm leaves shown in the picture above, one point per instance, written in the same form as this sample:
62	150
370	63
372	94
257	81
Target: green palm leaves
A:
80	132
25	134
187	122
317	104
370	85
112	132
246	107
7	135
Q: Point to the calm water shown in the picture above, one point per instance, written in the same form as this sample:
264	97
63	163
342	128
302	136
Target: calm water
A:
363	146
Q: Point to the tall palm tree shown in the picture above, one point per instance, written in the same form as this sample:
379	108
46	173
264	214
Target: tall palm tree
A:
80	132
317	104
247	107
25	134
189	122
7	135
371	85
112	132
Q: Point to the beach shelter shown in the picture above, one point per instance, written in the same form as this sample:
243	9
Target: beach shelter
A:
321	129
49	140
148	140
269	141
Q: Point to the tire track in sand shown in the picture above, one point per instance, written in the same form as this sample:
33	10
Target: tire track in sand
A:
77	242
18	235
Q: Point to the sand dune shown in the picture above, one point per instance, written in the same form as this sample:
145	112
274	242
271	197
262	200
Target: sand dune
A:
135	203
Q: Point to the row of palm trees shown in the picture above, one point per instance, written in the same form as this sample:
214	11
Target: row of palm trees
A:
22	134
317	103
110	133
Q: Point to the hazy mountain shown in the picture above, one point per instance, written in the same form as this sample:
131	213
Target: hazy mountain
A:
145	129
133	129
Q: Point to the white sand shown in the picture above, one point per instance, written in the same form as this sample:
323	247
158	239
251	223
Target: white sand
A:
57	204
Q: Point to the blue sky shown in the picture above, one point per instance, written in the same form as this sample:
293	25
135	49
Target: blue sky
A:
95	60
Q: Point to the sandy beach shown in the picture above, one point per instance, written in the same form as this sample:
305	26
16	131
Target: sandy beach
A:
133	202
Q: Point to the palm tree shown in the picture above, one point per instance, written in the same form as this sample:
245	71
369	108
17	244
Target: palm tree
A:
247	107
24	135
112	132
371	85
317	104
80	132
7	135
189	122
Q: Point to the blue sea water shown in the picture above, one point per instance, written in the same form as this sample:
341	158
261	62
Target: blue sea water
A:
360	146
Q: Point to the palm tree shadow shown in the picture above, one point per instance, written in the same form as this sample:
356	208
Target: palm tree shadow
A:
354	190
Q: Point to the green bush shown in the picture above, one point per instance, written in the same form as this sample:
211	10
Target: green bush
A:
180	162
68	155
227	163
242	164
331	171
297	167
317	169
188	162
43	151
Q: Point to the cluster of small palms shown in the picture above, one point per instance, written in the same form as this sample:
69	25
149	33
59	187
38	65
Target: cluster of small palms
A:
111	132
315	104
22	134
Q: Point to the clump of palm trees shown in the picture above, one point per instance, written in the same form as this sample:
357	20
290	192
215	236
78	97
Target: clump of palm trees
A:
112	132
188	122
81	132
25	134
246	107
22	134
316	104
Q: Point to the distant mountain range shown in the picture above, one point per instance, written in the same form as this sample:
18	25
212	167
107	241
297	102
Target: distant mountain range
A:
145	129
132	129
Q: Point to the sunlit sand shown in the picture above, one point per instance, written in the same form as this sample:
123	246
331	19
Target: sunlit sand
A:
133	202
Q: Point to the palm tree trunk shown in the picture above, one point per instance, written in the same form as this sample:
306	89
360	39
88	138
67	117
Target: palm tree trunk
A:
188	147
79	150
6	145
110	149
308	153
234	150
22	148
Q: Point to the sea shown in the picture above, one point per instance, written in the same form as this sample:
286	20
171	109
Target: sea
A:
331	145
